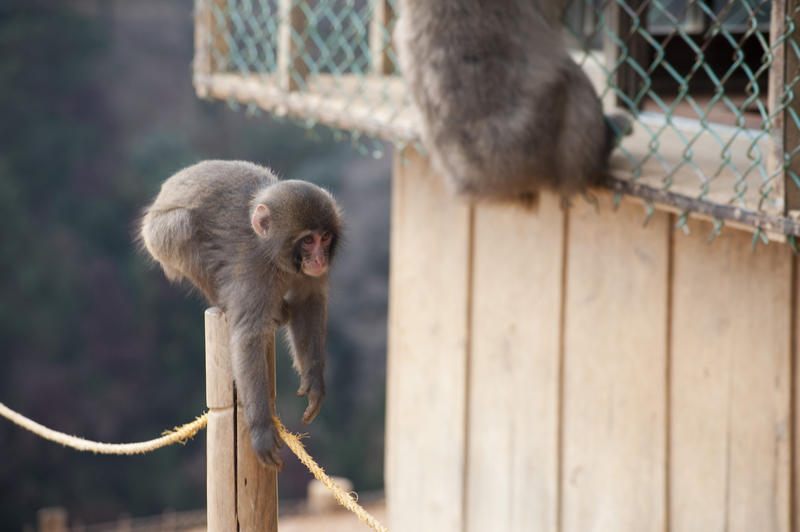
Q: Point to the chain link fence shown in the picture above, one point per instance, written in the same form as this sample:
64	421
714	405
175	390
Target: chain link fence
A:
710	84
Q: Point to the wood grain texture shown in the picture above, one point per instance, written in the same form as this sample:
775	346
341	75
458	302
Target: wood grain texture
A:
380	37
730	432
219	373
777	78
514	377
427	359
242	494
794	342
220	471
614	396
256	484
791	131
292	69
210	46
220	433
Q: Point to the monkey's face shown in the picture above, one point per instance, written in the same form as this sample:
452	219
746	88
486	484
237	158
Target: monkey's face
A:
312	252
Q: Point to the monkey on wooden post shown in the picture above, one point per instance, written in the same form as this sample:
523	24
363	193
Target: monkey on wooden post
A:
505	111
260	249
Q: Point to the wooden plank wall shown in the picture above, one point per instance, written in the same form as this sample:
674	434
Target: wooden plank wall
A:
428	343
565	372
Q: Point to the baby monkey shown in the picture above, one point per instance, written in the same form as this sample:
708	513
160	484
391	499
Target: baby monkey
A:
259	249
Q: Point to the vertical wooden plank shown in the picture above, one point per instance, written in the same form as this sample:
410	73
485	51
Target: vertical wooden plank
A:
242	493
256	485
794	342
220	433
785	18
292	69
428	346
52	519
775	91
730	429
210	47
636	49
514	376
380	38
614	395
791	132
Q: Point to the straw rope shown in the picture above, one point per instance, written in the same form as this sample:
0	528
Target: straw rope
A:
176	435
180	435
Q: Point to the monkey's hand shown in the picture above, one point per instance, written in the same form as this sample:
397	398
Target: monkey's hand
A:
312	385
266	444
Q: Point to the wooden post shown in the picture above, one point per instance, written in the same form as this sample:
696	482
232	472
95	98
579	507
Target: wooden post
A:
785	133
242	494
620	22
210	46
379	44
52	520
292	69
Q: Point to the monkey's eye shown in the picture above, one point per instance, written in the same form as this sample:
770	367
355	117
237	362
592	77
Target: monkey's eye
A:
326	237
308	240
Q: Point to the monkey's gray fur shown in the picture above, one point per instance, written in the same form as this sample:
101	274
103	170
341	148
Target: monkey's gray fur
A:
202	226
505	111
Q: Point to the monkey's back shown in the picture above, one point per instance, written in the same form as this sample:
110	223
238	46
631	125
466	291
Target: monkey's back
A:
199	223
505	110
215	188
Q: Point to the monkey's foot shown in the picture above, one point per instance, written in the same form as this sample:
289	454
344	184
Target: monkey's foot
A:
266	444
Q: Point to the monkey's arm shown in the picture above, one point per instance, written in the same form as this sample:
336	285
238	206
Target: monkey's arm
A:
248	350
307	323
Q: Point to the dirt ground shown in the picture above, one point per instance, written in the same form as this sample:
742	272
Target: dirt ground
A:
336	520
339	520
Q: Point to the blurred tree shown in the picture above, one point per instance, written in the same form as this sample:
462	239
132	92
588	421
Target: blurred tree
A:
98	109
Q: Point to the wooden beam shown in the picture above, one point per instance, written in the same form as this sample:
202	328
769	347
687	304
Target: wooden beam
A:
292	69
52	519
380	37
770	223
210	45
777	73
791	130
622	22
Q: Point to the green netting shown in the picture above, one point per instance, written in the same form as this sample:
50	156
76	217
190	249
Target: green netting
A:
695	75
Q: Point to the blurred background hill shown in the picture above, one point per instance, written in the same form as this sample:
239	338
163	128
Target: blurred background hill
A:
97	109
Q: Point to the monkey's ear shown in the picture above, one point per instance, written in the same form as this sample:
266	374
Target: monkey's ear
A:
260	221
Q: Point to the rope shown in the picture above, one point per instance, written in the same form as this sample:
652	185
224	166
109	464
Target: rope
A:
176	435
342	497
180	435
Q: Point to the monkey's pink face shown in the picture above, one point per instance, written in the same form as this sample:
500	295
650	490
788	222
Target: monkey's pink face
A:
315	253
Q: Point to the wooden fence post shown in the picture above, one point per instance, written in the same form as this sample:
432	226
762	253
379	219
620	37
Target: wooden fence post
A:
380	47
242	494
292	69
210	45
52	519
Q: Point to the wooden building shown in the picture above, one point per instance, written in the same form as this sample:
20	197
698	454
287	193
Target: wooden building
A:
575	370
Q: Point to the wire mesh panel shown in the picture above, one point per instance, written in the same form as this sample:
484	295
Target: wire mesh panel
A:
710	84
329	61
